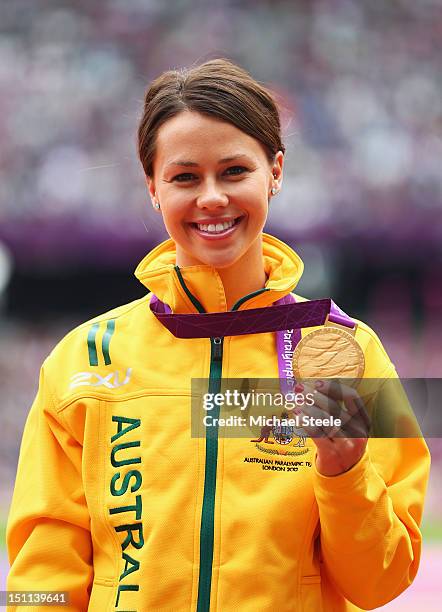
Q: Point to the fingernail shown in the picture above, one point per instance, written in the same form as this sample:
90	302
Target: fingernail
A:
299	388
319	384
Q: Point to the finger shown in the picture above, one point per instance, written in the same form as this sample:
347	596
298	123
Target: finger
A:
329	405
322	424
354	423
355	429
334	388
353	403
356	408
308	430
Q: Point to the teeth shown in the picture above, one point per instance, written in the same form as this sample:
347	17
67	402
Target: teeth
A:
219	227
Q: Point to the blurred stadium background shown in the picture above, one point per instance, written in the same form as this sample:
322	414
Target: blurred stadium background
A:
359	84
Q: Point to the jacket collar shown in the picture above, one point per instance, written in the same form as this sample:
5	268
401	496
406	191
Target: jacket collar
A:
189	289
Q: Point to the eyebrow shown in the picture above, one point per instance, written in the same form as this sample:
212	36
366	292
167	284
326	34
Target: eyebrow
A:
191	164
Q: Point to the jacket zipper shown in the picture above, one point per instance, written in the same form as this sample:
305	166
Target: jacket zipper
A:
208	509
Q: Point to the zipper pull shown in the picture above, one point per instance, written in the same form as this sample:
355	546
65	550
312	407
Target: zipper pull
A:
217	348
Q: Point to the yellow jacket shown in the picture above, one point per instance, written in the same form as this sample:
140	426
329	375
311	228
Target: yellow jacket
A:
117	504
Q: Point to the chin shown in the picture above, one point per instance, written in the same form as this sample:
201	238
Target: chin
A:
220	260
216	262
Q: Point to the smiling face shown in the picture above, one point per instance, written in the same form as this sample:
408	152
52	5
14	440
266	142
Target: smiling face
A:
213	182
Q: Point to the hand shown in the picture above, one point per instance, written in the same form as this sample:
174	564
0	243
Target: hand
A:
338	447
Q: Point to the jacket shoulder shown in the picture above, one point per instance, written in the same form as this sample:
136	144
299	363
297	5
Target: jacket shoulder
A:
94	346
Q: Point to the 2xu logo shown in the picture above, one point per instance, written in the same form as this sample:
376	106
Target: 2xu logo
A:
93	379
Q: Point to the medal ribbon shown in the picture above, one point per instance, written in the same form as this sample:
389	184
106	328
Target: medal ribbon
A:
286	341
284	314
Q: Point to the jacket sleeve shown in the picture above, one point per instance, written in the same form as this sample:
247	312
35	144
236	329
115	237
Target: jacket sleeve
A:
370	539
48	530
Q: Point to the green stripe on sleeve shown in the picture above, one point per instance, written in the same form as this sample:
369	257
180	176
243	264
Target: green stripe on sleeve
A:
110	328
93	358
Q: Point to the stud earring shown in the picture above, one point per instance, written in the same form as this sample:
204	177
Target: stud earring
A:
274	190
155	202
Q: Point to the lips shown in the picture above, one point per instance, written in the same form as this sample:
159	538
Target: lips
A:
213	234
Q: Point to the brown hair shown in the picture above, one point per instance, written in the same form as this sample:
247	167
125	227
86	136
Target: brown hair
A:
218	88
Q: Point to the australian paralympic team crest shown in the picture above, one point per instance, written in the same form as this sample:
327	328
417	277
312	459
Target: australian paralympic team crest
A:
283	447
281	439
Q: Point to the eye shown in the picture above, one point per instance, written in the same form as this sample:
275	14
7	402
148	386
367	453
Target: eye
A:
235	170
182	178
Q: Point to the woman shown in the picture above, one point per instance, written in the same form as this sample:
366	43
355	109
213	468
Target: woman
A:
115	501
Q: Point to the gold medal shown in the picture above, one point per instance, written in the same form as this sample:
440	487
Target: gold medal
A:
329	352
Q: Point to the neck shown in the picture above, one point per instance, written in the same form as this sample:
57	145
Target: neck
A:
245	276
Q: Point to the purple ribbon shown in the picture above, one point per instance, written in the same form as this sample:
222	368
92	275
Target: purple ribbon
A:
282	315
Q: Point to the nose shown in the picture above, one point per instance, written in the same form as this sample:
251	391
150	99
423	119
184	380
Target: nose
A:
211	196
